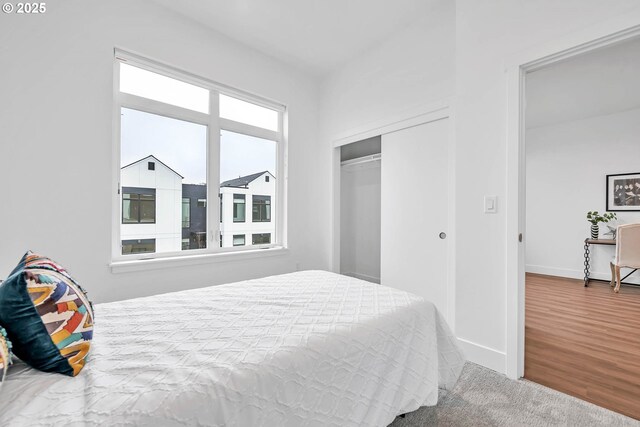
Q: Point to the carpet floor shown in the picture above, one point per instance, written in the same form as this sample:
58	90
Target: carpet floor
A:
483	397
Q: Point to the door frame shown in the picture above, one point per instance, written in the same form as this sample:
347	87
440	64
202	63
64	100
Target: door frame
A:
589	39
442	109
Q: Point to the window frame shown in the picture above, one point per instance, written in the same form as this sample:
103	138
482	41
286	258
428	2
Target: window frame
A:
262	235
233	212
259	201
244	240
214	124
188	203
139	191
140	241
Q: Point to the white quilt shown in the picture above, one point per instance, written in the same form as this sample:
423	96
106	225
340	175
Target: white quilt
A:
304	349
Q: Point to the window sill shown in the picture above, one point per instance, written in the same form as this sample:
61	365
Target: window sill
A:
186	260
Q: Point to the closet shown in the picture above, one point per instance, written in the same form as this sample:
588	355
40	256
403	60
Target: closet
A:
394	211
360	193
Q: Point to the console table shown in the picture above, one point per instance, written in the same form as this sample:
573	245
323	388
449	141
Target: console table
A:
587	259
587	242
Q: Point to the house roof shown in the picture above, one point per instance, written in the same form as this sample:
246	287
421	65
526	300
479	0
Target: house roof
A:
244	181
157	160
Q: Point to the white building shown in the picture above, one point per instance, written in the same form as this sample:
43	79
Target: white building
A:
247	216
151	207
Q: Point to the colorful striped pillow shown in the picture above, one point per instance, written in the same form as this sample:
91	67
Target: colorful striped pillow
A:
5	354
47	316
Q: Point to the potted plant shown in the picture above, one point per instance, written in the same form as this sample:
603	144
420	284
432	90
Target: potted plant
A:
595	218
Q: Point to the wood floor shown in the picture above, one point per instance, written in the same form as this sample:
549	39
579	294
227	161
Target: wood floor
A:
584	341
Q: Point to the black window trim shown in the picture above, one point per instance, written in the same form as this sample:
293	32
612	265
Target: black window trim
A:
243	197
259	200
139	191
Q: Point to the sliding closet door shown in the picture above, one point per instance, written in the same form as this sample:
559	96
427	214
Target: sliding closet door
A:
414	213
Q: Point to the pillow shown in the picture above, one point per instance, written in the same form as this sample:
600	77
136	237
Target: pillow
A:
5	354
47	316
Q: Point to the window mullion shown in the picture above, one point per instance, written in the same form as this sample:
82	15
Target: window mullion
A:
213	168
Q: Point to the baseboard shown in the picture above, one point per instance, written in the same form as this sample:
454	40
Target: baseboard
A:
576	274
363	277
484	356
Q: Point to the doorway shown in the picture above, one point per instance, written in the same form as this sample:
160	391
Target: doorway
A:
581	124
518	68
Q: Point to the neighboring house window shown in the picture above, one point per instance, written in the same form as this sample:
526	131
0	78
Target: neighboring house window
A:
261	208
238	240
138	205
139	246
238	208
261	238
166	123
186	214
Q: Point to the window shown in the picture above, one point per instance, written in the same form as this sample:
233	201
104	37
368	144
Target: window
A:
238	240
169	151
261	208
139	246
138	205
246	112
150	85
186	213
238	209
261	238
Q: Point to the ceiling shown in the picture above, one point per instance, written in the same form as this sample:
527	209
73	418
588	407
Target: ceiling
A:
598	83
315	35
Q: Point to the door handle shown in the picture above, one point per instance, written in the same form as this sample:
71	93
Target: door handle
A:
442	235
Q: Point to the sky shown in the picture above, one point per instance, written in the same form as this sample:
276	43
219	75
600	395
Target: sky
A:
182	146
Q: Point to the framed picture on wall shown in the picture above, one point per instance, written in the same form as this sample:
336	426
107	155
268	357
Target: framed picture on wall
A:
623	192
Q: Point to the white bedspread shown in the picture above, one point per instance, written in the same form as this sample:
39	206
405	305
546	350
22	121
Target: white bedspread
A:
304	349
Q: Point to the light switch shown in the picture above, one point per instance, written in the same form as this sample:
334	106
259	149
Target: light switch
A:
490	204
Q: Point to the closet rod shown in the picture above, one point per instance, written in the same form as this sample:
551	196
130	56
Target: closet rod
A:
365	159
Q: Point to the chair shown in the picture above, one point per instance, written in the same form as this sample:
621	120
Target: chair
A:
627	252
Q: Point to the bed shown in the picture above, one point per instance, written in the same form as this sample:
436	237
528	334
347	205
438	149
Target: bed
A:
309	348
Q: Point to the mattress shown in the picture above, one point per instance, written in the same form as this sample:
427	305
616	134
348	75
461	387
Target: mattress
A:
310	348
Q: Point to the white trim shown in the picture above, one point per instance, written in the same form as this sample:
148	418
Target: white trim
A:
152	106
425	114
213	171
363	277
187	260
175	72
116	208
243	128
481	355
594	37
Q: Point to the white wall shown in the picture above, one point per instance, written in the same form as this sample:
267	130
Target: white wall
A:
401	74
566	168
360	221
488	33
56	105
